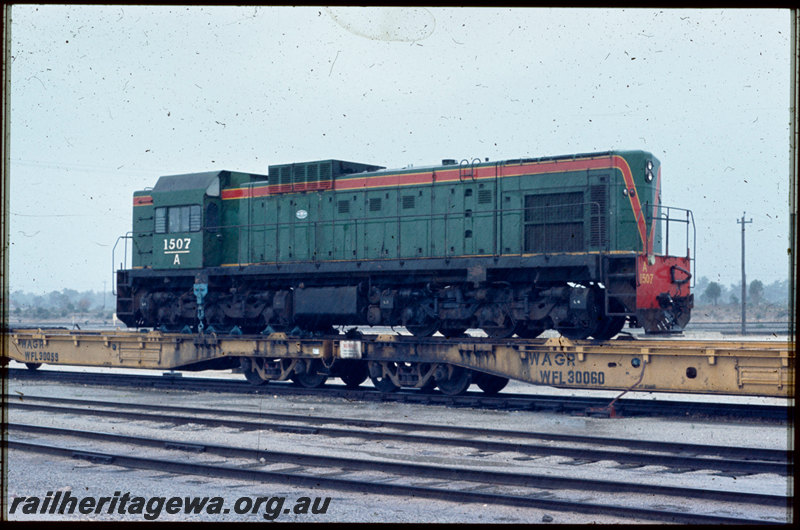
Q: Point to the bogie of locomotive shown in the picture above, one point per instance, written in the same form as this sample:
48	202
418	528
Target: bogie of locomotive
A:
512	247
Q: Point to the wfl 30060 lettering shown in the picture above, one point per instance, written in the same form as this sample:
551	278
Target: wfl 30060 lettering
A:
558	377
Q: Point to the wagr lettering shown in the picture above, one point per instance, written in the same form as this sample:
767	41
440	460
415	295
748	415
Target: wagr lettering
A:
559	359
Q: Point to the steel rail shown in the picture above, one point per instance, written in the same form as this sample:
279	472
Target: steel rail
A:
627	457
381	488
417	470
683	448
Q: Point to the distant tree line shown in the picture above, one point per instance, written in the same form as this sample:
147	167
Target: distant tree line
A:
714	293
61	304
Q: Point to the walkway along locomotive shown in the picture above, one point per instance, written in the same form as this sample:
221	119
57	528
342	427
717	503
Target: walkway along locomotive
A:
571	243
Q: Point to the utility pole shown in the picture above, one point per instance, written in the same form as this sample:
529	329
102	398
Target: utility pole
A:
744	281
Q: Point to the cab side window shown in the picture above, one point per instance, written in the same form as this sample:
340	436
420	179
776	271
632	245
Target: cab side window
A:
175	219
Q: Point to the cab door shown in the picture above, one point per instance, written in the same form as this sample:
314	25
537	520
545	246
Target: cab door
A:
212	232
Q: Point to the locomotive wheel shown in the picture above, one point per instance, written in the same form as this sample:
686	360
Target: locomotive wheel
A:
525	332
354	374
501	332
452	332
454	381
576	333
490	384
380	378
594	320
324	331
609	328
423	330
252	377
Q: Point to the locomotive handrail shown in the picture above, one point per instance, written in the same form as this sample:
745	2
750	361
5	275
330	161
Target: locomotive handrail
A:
123	265
466	164
664	215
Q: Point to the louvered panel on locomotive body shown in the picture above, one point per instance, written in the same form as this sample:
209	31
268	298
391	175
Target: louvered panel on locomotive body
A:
558	212
554	222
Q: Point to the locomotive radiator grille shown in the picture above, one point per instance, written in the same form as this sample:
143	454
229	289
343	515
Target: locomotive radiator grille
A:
554	222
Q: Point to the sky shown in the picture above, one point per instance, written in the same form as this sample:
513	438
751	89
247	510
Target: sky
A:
105	99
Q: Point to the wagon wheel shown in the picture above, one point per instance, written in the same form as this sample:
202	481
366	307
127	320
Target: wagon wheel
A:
490	384
246	365
454	381
379	374
429	386
354	373
310	378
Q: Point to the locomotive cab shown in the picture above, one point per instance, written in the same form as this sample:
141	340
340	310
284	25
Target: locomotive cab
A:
179	228
179	238
178	224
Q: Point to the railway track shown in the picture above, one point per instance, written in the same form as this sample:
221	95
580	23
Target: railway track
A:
680	456
504	401
777	327
377	476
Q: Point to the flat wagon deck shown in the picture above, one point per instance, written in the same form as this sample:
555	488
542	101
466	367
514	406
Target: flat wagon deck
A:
754	368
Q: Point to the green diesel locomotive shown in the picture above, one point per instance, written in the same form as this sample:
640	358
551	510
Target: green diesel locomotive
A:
576	243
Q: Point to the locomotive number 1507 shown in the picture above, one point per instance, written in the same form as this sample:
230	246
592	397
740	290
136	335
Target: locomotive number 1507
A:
177	243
